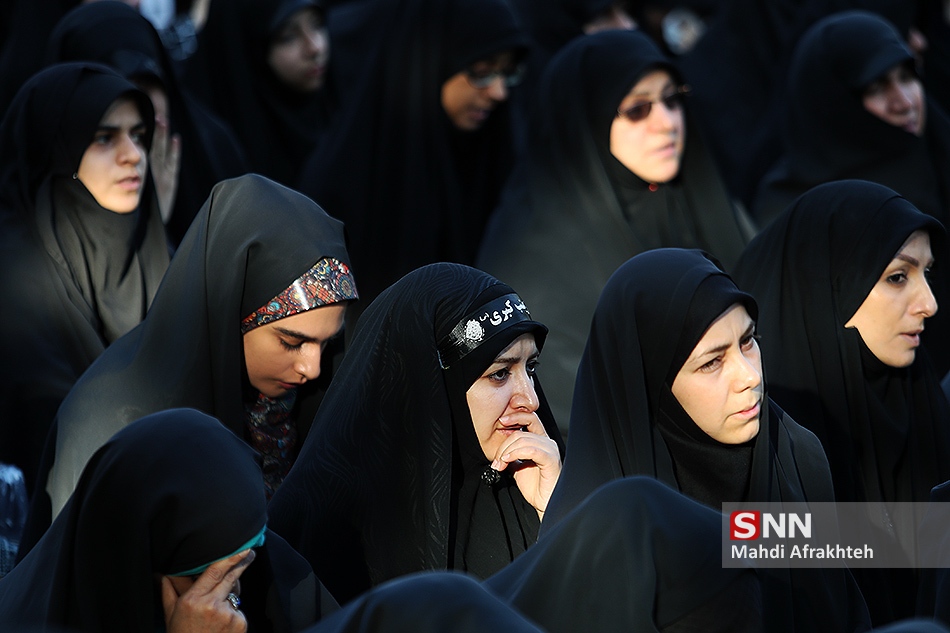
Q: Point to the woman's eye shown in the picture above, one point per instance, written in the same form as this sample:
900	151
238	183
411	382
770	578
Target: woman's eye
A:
102	138
293	347
501	375
532	367
897	278
712	365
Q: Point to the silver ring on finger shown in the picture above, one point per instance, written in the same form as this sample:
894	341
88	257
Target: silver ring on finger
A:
234	600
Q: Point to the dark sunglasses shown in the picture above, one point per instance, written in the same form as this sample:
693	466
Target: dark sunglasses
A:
481	79
641	110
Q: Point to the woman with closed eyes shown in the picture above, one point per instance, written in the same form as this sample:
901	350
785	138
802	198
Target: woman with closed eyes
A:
242	328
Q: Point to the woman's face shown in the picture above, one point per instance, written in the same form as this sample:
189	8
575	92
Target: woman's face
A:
892	316
720	384
897	97
502	400
469	96
113	166
284	354
300	51
652	147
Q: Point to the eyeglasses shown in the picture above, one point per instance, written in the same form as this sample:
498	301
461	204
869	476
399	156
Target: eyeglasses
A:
641	110
482	79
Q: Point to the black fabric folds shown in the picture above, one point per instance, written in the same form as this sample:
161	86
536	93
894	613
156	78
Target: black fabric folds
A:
388	482
626	422
884	429
634	556
249	242
573	213
75	276
411	189
170	492
277	126
115	34
427	602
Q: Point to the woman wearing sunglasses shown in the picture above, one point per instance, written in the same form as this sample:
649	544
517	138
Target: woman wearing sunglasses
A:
420	146
609	172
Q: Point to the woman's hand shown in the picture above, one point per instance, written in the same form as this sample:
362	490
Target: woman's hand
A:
205	606
536	461
165	159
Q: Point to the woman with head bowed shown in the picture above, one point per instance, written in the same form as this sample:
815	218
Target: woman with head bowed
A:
842	279
613	168
420	144
671	386
160	535
434	447
241	329
117	35
261	66
82	247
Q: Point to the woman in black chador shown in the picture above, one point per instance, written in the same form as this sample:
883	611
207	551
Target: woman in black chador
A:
420	144
857	109
841	277
166	517
613	167
261	66
115	34
239	329
671	386
436	395
82	247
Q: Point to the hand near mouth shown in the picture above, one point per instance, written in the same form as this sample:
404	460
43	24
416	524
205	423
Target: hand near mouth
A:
535	461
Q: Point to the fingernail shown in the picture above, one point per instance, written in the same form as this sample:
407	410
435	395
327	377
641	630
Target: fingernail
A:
495	464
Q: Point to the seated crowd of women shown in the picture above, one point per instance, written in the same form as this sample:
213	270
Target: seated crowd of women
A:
298	406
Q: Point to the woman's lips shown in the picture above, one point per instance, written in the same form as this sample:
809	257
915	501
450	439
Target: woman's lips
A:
751	412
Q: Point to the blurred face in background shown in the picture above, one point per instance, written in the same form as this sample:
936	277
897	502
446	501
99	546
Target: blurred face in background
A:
470	96
300	51
897	97
648	134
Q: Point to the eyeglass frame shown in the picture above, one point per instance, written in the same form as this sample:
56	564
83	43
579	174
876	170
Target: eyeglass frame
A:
672	101
510	77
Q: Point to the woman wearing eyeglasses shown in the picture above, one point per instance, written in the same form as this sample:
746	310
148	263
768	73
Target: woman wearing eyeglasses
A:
420	146
609	172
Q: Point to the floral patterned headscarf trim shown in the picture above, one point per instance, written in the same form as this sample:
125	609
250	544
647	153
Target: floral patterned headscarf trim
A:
329	281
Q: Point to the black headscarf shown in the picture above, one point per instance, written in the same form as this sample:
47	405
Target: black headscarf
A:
411	188
427	602
115	34
277	125
625	421
169	493
250	240
634	556
885	430
388	481
829	135
573	213
76	275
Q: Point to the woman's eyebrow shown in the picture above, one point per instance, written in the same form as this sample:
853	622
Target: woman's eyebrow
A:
299	335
